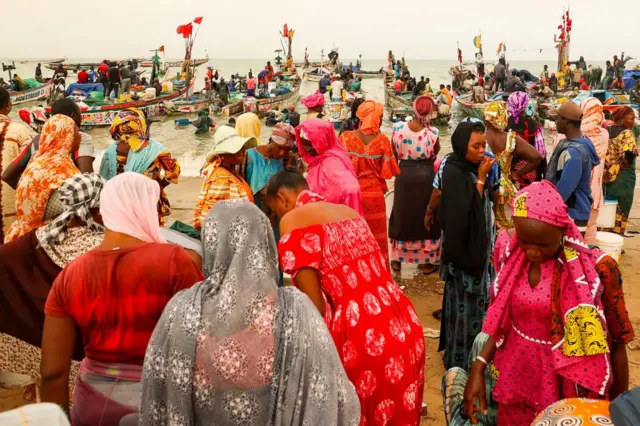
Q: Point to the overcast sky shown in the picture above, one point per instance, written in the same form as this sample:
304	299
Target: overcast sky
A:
249	28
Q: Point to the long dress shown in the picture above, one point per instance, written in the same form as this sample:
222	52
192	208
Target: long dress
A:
373	163
373	324
410	241
620	178
465	303
529	372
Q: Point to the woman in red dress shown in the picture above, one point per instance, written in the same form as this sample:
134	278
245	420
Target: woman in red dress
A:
333	257
374	163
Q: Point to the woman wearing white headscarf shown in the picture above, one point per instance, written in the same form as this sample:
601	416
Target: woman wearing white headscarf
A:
237	349
114	294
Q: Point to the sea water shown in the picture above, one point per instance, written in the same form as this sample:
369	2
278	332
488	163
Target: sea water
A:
191	149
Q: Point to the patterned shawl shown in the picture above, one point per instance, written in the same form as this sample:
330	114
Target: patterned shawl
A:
237	349
578	331
48	168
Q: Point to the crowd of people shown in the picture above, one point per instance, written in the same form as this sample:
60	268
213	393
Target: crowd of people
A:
147	325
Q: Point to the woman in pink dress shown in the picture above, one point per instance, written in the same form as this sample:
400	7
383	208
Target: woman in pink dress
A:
330	171
548	336
334	258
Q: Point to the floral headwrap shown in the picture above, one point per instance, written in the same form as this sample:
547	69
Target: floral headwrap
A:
517	104
496	114
284	135
578	333
129	126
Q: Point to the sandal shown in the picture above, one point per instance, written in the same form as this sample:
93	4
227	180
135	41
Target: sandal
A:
429	269
395	266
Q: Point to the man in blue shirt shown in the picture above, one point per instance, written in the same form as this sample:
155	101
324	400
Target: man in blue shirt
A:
571	164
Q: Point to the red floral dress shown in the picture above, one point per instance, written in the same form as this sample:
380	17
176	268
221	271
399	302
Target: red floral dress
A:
374	326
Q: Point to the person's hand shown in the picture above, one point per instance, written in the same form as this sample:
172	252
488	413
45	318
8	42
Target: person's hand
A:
475	391
428	219
485	167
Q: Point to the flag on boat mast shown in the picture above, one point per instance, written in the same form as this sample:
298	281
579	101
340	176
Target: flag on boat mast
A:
477	41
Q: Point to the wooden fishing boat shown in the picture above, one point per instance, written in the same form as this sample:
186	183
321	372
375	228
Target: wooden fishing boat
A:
38	61
148	63
370	74
77	66
403	105
34	94
262	106
103	114
465	107
309	65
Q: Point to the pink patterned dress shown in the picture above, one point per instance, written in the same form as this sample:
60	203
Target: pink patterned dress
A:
528	379
373	324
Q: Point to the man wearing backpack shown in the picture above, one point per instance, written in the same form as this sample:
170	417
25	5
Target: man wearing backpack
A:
571	164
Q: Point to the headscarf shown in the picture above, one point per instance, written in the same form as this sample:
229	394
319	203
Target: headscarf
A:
423	109
130	126
579	343
466	242
370	115
591	126
284	135
129	205
620	113
78	194
46	171
313	101
237	348
496	114
330	173
248	125
517	104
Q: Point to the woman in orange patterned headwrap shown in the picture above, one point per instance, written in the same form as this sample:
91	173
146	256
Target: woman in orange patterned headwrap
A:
374	163
48	168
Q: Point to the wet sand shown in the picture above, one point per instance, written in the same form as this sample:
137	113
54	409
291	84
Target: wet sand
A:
426	295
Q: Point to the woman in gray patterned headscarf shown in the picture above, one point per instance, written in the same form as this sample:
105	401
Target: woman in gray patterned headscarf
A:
237	350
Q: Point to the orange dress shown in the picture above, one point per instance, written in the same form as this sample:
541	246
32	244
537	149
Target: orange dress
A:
373	163
219	185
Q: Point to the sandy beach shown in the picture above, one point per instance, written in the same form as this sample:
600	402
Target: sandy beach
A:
426	295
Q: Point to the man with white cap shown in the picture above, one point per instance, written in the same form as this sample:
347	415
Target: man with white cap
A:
222	178
572	162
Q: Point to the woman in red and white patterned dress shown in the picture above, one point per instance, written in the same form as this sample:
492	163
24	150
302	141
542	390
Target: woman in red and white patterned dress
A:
334	258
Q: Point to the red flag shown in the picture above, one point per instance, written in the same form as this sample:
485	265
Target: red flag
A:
459	55
161	49
187	30
198	20
180	29
285	31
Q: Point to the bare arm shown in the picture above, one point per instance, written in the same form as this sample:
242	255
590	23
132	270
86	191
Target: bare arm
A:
528	153
85	164
620	366
308	282
434	203
58	342
475	390
11	175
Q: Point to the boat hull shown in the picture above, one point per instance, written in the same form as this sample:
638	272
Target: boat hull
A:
402	106
263	106
469	109
173	64
370	74
103	115
33	94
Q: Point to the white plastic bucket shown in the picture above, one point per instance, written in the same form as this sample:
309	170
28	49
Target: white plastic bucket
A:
610	243
607	214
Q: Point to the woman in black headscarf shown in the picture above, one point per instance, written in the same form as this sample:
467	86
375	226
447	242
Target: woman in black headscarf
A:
465	215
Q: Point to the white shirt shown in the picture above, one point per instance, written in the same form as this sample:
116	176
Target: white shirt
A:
336	89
